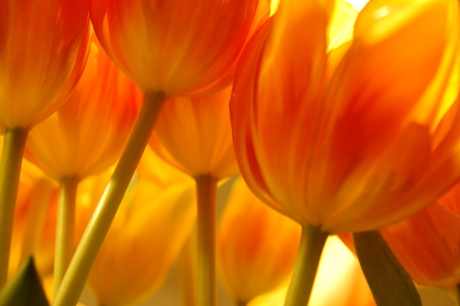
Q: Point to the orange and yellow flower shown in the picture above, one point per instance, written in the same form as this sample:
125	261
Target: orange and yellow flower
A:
256	246
152	224
195	136
428	243
43	47
177	47
87	134
349	140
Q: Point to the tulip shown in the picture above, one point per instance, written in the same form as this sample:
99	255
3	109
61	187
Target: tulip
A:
31	222
256	246
195	136
86	135
151	226
43	47
427	244
345	141
176	47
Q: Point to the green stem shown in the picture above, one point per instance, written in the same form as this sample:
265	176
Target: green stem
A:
65	228
241	303
91	241
206	193
14	141
308	256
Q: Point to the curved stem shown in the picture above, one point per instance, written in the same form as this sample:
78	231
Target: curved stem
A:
65	228
91	241
206	192
14	142
308	256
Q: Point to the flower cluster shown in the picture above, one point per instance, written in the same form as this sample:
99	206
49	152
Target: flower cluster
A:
232	137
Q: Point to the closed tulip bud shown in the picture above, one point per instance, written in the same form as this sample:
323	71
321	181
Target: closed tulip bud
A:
256	245
87	134
43	47
177	47
195	136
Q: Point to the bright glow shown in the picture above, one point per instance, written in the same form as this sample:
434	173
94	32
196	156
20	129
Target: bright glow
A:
358	4
335	280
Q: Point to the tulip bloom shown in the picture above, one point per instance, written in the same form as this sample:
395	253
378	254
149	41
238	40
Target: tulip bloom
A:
43	47
427	244
176	47
195	136
151	227
31	223
87	134
256	245
347	140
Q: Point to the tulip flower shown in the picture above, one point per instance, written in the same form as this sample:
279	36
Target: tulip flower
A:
176	47
43	47
151	226
31	222
195	136
427	244
256	246
345	141
83	138
86	135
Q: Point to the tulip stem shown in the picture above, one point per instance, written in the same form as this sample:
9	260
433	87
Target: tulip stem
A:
206	193
241	303
65	228
91	241
311	246
14	141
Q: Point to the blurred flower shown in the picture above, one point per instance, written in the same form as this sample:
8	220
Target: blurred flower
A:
178	47
346	140
153	168
87	134
151	226
256	246
428	243
36	199
339	281
43	46
195	136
